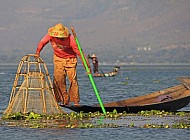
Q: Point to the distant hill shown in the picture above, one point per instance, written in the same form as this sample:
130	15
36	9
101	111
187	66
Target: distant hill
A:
142	31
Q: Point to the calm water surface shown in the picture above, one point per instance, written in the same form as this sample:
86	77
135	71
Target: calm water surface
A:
130	82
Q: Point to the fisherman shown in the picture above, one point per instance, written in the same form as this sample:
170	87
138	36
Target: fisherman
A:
65	63
95	63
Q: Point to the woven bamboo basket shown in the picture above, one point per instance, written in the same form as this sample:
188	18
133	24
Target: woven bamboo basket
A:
32	89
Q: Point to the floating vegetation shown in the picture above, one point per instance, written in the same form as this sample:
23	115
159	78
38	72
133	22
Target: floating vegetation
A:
125	83
142	119
156	81
177	126
154	112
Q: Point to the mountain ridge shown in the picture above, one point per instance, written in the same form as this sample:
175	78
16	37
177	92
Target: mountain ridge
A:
116	30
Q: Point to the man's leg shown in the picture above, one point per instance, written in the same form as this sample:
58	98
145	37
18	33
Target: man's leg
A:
60	81
72	77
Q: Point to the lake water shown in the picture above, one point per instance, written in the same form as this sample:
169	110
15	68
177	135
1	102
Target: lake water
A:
130	82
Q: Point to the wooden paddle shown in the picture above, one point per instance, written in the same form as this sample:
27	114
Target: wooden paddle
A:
88	70
102	72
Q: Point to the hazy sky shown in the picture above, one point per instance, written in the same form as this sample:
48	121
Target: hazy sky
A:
104	26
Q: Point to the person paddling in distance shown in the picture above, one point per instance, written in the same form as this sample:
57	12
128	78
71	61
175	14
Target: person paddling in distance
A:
95	63
65	63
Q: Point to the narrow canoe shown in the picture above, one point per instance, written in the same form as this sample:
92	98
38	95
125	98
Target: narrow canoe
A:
108	74
169	99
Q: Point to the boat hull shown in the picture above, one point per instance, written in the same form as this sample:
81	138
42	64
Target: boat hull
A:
166	106
108	74
169	99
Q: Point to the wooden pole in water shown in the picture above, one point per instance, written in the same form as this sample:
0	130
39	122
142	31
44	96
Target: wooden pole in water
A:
88	70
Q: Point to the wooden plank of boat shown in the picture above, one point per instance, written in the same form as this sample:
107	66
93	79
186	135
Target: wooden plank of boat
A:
185	80
108	74
170	99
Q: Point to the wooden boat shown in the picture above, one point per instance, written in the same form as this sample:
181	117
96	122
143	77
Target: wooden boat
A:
108	74
170	99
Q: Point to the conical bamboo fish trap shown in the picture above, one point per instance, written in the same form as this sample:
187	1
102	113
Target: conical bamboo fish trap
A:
32	89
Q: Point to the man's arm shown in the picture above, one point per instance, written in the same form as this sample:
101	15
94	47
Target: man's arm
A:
42	43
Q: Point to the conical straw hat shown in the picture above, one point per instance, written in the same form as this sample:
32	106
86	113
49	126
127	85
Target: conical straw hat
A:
59	30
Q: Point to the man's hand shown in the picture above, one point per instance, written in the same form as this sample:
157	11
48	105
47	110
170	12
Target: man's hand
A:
88	56
89	72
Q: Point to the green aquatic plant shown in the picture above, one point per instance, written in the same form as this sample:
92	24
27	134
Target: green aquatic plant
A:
15	116
33	115
156	81
37	125
181	113
181	126
176	126
86	125
156	126
154	112
131	124
125	83
92	120
21	116
114	114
